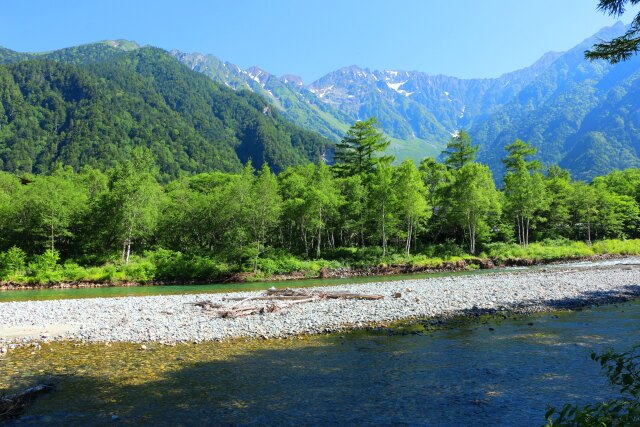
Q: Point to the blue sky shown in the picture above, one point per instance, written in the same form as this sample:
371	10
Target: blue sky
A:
463	38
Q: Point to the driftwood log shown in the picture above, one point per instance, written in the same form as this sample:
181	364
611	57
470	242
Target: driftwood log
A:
293	296
297	293
11	406
207	305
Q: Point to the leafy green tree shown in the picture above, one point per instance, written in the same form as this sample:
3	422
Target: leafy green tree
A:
474	201
438	180
459	151
133	200
263	210
55	201
382	201
205	215
557	218
241	201
623	182
295	217
313	205
11	202
353	212
411	203
584	207
617	215
322	200
524	189
623	47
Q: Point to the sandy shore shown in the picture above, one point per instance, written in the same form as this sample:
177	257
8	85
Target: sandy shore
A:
174	318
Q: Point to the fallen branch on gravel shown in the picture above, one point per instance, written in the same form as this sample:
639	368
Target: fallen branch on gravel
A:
238	312
296	293
282	298
207	305
294	296
13	405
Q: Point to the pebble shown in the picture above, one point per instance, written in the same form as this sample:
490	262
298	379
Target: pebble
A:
174	319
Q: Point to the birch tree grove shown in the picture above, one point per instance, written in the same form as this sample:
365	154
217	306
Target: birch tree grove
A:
134	200
524	188
263	209
585	207
324	200
411	203
475	201
382	202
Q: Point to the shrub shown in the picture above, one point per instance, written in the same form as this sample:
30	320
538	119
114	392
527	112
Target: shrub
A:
138	270
12	263
174	265
617	247
73	272
45	268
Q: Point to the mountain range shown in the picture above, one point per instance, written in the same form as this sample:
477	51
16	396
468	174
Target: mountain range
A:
579	114
91	104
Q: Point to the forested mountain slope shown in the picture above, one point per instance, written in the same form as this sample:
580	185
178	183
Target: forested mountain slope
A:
92	104
582	115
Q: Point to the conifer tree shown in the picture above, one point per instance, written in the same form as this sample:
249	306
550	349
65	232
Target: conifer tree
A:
459	151
620	48
359	151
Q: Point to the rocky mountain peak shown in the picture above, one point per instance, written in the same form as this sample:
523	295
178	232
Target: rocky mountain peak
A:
122	44
292	79
257	74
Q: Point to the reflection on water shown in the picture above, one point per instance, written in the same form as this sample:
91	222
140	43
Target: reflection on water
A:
470	375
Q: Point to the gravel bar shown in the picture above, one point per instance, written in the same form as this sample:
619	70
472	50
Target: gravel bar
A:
173	318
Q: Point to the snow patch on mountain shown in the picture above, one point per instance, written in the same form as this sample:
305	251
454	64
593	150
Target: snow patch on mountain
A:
321	93
405	93
395	86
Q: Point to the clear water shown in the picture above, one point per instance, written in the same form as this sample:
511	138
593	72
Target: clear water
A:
118	291
124	291
467	375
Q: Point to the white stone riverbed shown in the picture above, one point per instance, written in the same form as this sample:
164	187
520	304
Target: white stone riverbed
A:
174	318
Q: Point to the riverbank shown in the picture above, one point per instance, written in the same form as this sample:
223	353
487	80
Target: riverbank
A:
457	265
174	318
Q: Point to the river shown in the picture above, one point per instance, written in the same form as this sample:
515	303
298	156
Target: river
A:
489	372
126	291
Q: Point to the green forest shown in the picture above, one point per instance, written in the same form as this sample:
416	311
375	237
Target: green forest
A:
93	105
129	223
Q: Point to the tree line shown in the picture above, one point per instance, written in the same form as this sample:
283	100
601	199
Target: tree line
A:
363	201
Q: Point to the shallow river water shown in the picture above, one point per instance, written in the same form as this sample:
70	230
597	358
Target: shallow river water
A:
464	375
123	291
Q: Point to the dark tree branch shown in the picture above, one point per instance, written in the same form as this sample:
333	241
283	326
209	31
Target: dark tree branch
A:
620	48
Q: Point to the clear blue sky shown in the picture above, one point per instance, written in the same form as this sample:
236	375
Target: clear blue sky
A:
464	38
